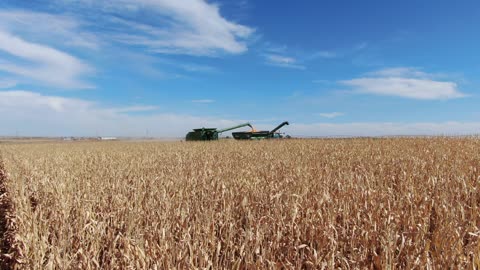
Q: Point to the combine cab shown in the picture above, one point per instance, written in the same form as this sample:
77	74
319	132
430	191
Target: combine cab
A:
258	135
210	134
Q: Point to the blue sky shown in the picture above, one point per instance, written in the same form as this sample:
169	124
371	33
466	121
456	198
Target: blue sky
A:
120	68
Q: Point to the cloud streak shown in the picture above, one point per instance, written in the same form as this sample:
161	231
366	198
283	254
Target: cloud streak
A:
7	83
193	27
406	83
323	54
52	29
204	101
23	102
331	115
282	61
135	109
42	63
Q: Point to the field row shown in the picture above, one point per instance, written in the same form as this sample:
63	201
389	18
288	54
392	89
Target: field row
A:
336	203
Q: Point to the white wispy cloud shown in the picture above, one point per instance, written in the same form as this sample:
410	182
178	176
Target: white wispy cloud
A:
50	28
360	46
7	83
193	27
41	63
323	54
322	81
138	108
21	102
197	68
331	114
336	52
203	101
282	61
270	47
404	82
406	72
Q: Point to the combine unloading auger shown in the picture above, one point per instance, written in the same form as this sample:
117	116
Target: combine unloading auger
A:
260	134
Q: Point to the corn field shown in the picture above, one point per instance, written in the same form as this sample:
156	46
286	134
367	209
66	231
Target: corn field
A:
399	203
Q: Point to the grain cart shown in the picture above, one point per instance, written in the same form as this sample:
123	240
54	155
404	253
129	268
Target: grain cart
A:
257	135
210	134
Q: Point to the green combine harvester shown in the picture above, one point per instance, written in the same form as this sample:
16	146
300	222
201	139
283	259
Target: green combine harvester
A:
259	135
210	134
